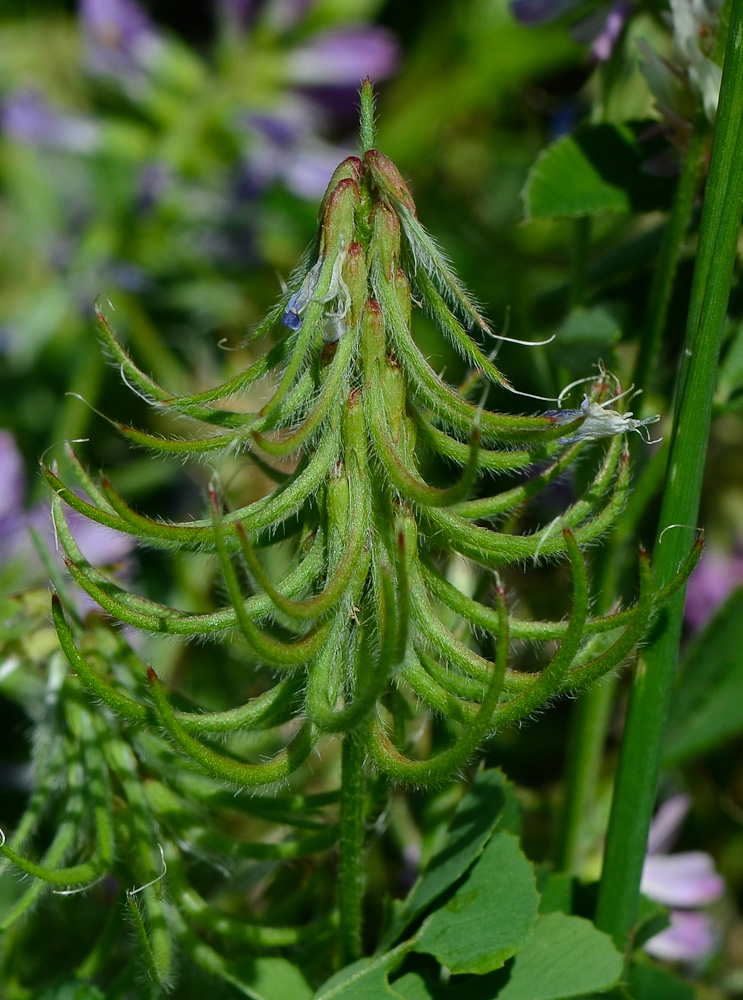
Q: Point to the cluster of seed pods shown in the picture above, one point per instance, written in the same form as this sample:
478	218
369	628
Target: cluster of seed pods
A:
366	631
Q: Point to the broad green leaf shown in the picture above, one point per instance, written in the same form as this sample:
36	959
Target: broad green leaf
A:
648	982
72	991
363	980
272	978
411	986
489	802
599	168
489	916
586	334
563	957
477	815
707	708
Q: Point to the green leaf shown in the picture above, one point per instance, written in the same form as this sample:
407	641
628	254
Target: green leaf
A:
411	986
599	168
707	708
648	982
490	802
556	890
651	919
489	916
729	390
563	957
271	978
363	980
586	334
72	991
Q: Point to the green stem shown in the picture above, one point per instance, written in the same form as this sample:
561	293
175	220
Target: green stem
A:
368	128
640	758
351	868
670	251
589	724
581	252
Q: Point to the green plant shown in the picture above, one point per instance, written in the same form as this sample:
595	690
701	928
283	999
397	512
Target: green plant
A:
363	636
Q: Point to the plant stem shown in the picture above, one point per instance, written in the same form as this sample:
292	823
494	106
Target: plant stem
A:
670	251
588	727
351	868
581	251
367	127
640	758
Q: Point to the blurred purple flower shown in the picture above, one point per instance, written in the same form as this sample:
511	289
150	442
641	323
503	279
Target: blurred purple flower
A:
121	40
12	491
532	13
100	545
713	580
690	938
600	29
342	57
285	147
29	118
235	14
688	879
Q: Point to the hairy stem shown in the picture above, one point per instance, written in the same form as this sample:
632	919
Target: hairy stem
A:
351	869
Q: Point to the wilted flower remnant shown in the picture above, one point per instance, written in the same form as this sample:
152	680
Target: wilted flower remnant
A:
364	620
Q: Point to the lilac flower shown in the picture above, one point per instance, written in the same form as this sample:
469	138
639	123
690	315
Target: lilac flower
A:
603	28
713	580
29	118
284	147
12	492
100	545
235	15
121	40
686	880
532	13
343	57
600	29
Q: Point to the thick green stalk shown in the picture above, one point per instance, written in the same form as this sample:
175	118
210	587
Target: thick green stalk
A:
592	714
639	764
351	867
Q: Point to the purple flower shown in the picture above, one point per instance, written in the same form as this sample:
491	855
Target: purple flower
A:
29	118
12	491
343	57
121	40
712	581
285	148
688	879
99	545
603	28
235	15
532	13
600	29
